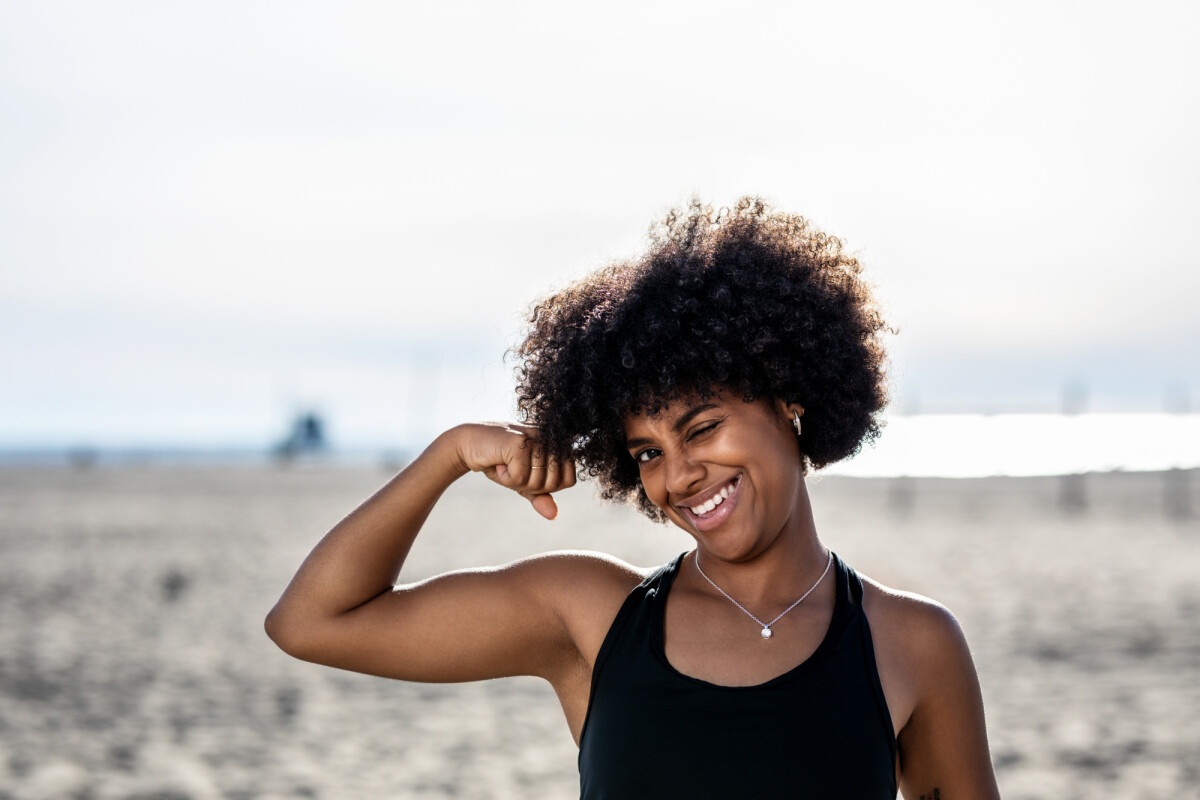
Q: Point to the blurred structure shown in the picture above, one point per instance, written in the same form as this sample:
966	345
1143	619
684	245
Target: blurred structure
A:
902	489
307	437
1177	494
82	457
901	496
1177	483
1072	489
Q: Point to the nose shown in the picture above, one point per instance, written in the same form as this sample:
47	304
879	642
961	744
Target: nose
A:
684	473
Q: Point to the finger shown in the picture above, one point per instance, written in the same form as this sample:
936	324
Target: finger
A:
539	467
537	455
496	474
568	474
553	481
518	463
549	479
558	476
544	504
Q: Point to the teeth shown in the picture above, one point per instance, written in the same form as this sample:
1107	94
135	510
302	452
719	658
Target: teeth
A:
708	505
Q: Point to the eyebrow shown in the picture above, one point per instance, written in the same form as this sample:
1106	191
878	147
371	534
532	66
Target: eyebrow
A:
679	425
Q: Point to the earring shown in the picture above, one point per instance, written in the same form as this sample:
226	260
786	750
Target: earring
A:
796	421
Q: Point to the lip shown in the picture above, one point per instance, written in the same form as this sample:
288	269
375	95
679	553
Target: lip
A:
718	514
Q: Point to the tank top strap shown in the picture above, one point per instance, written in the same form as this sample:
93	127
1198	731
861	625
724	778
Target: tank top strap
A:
855	586
851	584
657	581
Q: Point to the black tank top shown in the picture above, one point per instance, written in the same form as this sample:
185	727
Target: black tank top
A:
820	730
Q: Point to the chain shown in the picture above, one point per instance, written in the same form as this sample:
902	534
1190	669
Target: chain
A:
766	626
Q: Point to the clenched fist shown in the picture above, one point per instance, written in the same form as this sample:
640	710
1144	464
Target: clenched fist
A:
511	455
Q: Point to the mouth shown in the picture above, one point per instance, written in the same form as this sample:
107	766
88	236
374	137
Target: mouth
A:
711	508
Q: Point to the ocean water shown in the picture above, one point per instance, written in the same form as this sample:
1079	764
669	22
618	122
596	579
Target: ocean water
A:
925	445
977	445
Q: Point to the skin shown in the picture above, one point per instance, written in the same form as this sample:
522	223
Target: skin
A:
548	615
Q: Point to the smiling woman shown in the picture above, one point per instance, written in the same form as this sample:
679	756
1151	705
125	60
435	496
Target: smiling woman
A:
701	382
759	304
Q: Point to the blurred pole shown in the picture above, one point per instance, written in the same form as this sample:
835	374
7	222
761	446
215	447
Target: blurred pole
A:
901	496
902	489
1177	483
1177	493
1072	489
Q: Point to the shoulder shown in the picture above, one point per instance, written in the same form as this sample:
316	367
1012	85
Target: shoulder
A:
915	620
586	591
576	570
933	693
585	588
920	648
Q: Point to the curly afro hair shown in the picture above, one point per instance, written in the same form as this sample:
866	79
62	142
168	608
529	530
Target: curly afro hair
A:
745	300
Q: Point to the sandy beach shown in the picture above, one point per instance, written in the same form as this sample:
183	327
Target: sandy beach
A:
133	662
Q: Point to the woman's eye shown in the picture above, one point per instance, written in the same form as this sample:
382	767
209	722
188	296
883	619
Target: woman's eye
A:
703	429
645	456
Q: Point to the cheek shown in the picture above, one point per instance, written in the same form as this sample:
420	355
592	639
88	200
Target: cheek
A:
780	471
652	486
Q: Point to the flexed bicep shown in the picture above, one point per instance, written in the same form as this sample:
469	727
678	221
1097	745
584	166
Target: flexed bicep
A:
460	626
342	608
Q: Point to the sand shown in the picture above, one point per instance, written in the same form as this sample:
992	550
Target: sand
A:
133	663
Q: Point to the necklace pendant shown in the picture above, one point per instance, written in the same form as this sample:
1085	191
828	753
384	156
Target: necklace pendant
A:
766	633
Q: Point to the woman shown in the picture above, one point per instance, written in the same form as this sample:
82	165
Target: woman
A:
700	382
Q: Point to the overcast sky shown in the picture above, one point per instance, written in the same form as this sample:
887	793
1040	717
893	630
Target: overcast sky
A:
213	214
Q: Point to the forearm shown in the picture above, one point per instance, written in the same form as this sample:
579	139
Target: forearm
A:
362	555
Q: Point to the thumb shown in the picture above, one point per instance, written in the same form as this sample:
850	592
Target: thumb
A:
497	473
544	504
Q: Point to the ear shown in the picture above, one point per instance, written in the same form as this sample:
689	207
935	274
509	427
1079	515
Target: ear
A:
785	409
784	413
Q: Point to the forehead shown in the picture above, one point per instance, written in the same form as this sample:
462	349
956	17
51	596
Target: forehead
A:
681	410
658	409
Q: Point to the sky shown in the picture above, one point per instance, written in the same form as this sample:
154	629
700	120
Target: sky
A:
213	216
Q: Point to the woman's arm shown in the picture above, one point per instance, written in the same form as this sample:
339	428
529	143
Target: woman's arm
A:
341	610
943	746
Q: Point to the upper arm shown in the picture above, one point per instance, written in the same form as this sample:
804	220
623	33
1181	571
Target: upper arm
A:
524	618
943	745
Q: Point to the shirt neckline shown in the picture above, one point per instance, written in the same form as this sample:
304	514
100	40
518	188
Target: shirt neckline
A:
836	623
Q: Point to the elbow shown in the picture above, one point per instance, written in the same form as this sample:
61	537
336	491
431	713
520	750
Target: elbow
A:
283	630
302	632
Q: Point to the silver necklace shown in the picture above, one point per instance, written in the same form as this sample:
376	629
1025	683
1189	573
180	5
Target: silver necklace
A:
766	626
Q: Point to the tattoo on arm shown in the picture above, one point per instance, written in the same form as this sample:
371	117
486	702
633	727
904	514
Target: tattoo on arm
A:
934	794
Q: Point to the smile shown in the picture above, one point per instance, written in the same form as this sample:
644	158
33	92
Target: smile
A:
713	506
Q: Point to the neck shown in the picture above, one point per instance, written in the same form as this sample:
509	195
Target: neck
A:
789	562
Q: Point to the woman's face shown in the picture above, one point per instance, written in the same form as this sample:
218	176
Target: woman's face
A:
726	471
